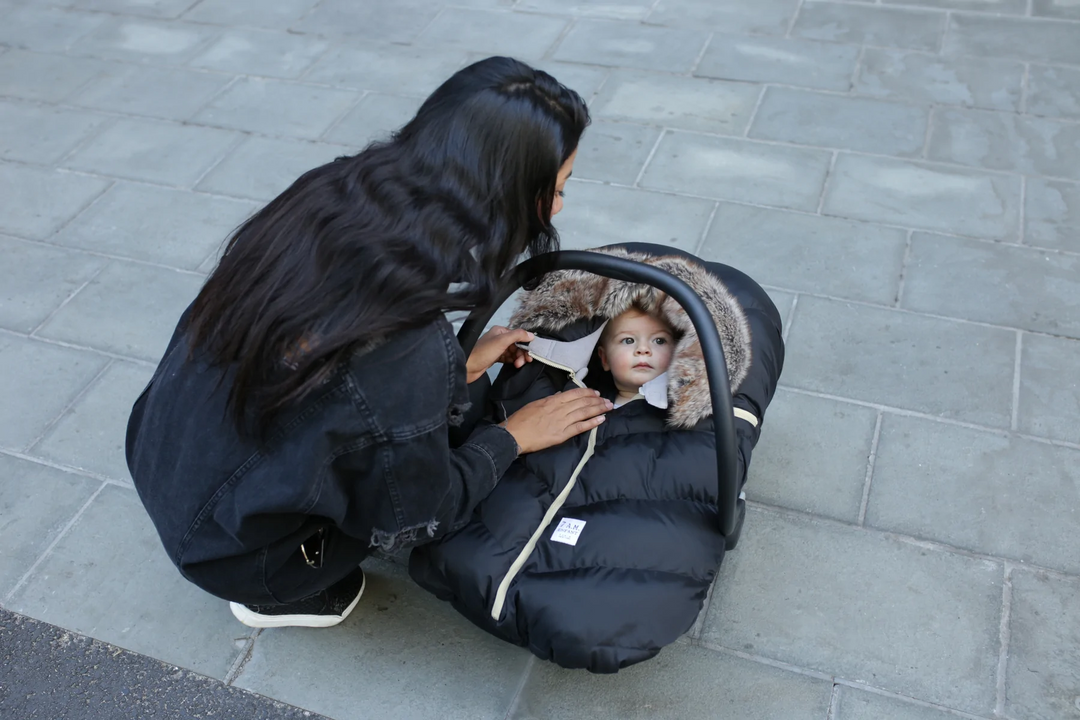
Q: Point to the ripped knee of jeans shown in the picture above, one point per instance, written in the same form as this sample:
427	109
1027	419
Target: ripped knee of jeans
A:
389	541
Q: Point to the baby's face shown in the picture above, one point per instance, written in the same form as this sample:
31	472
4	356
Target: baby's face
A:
637	349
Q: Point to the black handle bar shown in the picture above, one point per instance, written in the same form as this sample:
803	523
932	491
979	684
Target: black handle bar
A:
711	347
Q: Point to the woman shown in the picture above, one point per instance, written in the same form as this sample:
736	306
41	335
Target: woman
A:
313	403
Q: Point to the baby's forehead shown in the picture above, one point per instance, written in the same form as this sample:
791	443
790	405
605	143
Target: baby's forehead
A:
635	320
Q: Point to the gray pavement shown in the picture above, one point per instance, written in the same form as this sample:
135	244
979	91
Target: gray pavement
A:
904	178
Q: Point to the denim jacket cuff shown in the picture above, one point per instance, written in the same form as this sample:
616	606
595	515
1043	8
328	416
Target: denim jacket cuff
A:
500	446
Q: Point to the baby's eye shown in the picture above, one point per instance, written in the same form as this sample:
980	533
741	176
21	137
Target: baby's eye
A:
660	341
627	341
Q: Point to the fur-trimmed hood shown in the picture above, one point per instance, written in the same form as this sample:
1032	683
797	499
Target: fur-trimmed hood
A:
568	296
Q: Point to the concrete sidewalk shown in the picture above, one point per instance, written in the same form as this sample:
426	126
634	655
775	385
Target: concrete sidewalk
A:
903	178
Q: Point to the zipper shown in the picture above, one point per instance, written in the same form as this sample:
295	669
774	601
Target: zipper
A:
552	511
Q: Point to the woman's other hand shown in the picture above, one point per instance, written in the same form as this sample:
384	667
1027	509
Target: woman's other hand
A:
555	419
497	345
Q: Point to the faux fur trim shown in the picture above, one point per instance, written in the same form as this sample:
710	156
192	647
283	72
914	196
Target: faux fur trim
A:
567	296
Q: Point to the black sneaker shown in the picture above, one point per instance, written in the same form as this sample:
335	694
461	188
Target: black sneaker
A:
323	609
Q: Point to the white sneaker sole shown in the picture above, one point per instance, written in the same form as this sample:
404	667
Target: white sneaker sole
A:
252	619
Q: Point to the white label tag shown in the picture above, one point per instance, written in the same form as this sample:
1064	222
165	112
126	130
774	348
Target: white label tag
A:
568	531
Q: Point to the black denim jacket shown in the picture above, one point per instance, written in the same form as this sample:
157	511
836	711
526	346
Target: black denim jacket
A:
386	453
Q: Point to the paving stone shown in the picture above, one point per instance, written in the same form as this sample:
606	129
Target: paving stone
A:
604	42
139	40
185	226
925	196
738	170
167	93
1065	9
153	150
944	368
128	309
147	607
611	9
397	639
387	68
711	106
1009	37
783	302
303	111
45	29
812	456
1050	388
862	607
49	78
261	168
790	61
1005	285
375	118
1002	7
614	152
681	682
261	52
494	32
811	118
396	21
43	135
37	381
279	14
1002	495
1052	214
1054	91
149	8
924	78
36	502
596	215
1006	141
91	434
35	279
765	17
809	253
870	25
38	202
860	705
1043	675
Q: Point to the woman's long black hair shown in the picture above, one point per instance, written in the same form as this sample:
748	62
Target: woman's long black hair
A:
389	239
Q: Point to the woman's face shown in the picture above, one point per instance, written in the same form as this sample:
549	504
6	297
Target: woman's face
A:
560	184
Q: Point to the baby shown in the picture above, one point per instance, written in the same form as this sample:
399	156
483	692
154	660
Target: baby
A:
635	348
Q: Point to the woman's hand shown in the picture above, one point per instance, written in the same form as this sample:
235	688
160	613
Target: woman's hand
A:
544	423
497	345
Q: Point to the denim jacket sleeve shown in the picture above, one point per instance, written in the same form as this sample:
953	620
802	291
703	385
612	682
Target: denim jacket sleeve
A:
424	469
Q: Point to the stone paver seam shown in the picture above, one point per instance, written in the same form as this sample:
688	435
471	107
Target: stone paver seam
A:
1014	423
1025	82
1030	10
757	106
834	696
649	14
871	460
86	206
69	469
242	657
699	623
599	88
918	313
427	26
221	91
112	256
67	408
645	165
66	300
56	540
790	318
904	412
860	58
84	348
519	689
825	182
924	152
236	143
341	116
794	18
302	77
91	136
701	55
549	53
705	232
903	269
1004	633
854	685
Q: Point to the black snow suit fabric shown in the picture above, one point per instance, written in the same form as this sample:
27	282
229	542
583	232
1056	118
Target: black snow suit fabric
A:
599	552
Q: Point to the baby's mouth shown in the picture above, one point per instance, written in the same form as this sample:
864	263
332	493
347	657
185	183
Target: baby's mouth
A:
643	366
